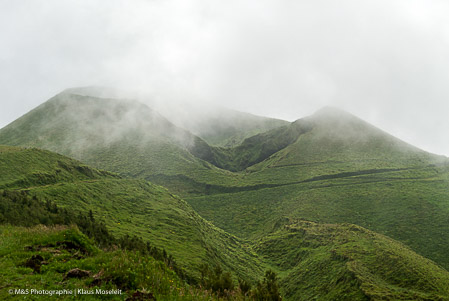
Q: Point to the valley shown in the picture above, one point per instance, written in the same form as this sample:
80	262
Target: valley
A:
338	208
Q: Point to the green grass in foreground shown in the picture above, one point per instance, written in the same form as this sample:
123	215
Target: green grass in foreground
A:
108	270
17	208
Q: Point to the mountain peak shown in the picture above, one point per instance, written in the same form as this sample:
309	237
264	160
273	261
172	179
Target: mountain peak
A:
101	92
332	112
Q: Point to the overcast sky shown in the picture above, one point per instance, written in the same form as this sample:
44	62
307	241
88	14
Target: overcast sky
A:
386	61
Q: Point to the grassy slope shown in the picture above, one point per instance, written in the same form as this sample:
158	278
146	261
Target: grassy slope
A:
137	207
124	270
257	148
129	207
342	170
26	167
319	262
121	136
348	262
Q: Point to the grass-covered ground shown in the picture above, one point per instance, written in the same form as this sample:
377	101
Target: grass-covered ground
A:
314	261
414	211
341	170
348	262
328	168
131	270
129	206
58	250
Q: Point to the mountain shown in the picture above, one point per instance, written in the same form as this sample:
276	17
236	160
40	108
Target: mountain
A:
334	135
334	168
217	125
118	135
328	136
328	168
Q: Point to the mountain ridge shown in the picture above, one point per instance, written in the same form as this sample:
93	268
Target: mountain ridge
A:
296	198
321	168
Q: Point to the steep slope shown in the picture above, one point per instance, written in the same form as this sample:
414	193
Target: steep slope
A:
217	125
122	136
330	137
339	137
127	206
252	150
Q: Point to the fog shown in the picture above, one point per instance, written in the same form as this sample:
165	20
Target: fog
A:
385	61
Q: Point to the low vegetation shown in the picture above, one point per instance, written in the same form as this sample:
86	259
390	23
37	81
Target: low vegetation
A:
242	232
126	266
83	269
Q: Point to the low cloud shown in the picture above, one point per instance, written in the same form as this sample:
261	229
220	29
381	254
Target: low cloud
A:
381	60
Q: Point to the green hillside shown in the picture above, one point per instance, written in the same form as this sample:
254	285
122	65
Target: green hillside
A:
348	262
332	138
116	274
47	256
355	263
218	126
340	170
128	206
31	167
320	262
257	148
328	168
122	136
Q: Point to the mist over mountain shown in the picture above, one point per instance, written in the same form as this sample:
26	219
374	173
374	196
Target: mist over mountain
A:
224	150
217	125
88	128
78	123
259	192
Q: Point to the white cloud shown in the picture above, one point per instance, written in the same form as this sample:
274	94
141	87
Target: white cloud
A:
385	61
